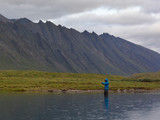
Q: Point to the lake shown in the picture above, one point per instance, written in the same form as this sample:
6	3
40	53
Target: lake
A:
79	106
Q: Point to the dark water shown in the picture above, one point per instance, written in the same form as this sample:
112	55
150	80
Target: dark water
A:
36	106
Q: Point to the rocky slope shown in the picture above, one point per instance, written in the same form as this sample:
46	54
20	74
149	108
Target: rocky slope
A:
45	46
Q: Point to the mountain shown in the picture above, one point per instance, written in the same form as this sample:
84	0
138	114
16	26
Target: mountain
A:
4	19
25	45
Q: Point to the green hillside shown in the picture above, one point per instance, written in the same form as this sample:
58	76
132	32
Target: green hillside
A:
46	81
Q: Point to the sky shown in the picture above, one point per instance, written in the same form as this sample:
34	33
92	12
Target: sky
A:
137	21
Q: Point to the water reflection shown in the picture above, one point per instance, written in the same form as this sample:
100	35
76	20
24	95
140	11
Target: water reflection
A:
79	106
106	102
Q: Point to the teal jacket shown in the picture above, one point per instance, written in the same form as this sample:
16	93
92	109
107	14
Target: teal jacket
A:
106	83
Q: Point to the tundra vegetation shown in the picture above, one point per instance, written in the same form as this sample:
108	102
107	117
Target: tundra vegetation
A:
46	81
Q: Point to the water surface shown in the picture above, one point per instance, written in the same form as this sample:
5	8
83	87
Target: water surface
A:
79	106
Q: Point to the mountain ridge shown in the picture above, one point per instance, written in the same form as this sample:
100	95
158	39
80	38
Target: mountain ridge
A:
47	47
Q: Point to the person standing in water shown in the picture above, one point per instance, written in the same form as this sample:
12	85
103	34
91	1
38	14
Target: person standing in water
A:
106	84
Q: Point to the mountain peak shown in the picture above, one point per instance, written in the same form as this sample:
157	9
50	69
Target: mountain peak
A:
95	34
85	32
23	20
41	22
105	34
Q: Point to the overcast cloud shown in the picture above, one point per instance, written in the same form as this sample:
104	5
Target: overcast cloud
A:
137	21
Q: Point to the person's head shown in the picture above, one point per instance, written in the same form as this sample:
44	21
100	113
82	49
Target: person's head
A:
106	80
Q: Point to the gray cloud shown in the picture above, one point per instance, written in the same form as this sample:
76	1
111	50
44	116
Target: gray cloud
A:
130	16
48	9
134	20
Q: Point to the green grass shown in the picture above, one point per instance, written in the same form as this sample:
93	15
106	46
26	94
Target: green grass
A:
155	76
36	80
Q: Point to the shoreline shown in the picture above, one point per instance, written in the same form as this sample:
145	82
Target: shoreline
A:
92	91
110	91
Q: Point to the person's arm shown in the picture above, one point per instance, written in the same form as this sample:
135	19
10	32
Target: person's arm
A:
103	83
